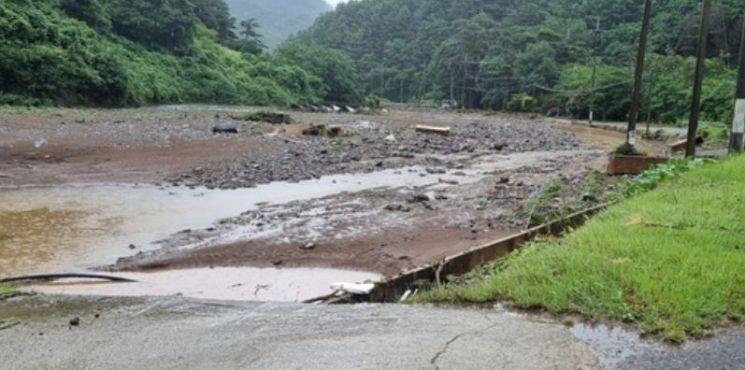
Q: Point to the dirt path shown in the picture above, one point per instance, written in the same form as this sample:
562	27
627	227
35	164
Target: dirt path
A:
438	195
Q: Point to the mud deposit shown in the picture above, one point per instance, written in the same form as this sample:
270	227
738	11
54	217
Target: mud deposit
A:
234	284
153	190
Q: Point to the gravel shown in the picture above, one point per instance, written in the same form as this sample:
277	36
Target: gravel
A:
363	150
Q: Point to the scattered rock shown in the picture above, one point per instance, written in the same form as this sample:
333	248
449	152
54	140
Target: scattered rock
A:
448	182
132	247
315	130
394	207
309	246
225	127
419	198
309	156
75	321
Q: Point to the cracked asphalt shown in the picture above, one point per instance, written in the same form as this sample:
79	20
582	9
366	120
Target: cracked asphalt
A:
177	333
45	332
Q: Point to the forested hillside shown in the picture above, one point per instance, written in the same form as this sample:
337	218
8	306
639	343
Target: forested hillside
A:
534	54
278	19
133	52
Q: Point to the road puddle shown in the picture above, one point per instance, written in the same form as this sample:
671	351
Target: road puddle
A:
613	346
235	284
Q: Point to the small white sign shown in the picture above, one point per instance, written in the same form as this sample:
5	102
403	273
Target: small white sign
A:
738	126
632	137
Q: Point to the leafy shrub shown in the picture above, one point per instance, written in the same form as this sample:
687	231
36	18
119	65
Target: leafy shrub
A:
650	179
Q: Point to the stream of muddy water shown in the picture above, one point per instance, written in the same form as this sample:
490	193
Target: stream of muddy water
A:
78	227
74	228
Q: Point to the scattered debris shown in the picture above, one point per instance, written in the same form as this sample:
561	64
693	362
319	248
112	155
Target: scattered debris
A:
445	131
419	198
680	146
50	277
323	130
309	246
448	182
268	117
9	325
225	127
394	207
397	208
353	288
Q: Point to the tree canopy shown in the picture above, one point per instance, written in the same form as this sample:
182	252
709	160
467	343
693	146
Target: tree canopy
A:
487	53
132	52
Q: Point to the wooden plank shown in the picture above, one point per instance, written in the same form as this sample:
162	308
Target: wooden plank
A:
445	131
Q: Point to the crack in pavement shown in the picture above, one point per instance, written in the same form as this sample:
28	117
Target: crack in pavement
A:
452	340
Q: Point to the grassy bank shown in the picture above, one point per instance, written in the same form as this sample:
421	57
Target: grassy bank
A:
671	260
6	290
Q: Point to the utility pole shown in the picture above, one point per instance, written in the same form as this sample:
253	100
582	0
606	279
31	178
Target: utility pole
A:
738	124
698	81
638	74
594	70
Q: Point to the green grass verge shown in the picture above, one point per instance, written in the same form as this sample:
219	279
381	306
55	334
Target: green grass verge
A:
671	260
7	290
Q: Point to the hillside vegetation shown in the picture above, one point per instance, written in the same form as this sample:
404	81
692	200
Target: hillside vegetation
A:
117	52
278	19
535	55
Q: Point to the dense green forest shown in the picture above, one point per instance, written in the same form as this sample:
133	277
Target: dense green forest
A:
133	52
278	19
535	54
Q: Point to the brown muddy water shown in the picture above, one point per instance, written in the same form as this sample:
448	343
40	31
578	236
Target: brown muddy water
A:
77	227
608	140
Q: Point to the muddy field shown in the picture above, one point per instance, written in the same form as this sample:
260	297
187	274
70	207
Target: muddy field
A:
378	197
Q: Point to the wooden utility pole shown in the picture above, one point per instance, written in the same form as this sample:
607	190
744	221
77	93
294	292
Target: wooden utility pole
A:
738	123
593	83
638	74
698	81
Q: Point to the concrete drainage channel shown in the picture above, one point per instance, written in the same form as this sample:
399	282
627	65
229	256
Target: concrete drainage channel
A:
399	287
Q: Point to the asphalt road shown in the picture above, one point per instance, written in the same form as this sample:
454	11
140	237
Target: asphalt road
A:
178	333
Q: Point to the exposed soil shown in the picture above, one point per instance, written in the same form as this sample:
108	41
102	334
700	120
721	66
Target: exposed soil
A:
480	175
